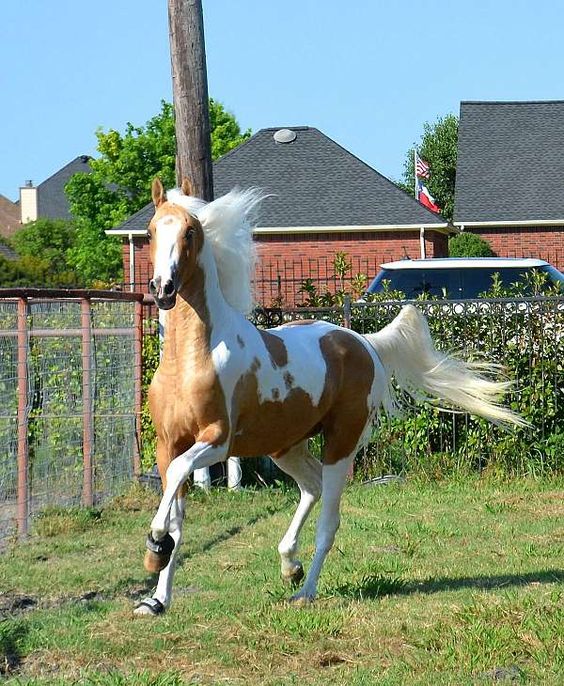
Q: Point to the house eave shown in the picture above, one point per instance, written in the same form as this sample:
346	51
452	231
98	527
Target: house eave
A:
369	228
272	230
512	222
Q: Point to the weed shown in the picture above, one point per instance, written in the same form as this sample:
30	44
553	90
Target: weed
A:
56	520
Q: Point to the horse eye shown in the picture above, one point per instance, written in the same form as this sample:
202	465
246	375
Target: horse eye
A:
190	234
149	236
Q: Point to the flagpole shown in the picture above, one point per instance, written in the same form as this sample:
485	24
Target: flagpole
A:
415	172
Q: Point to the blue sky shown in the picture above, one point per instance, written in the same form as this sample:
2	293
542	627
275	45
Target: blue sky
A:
368	73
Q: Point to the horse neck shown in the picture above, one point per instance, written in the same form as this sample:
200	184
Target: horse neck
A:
200	308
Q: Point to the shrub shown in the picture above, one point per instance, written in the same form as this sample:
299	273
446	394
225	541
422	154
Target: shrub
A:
469	245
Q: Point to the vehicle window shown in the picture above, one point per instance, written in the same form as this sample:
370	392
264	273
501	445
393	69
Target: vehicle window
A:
477	281
453	283
413	282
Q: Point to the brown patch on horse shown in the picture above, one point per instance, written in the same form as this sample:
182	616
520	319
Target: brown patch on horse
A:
349	360
276	348
271	426
274	426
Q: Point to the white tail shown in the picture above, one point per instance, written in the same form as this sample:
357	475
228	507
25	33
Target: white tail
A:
406	349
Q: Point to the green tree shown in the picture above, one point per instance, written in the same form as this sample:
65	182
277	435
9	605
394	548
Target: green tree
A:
43	247
120	184
438	147
49	239
467	244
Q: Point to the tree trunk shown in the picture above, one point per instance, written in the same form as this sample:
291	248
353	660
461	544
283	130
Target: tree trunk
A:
190	92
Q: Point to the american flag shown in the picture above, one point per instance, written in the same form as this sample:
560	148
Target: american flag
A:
421	168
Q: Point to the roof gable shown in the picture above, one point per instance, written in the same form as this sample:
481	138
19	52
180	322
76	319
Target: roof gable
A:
510	162
52	203
9	217
312	182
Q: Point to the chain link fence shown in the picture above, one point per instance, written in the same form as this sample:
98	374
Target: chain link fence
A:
70	399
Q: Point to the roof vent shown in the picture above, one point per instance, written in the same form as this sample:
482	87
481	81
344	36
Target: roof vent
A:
284	136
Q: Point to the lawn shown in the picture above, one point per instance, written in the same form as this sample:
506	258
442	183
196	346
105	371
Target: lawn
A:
448	583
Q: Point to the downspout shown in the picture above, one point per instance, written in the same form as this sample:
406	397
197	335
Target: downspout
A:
131	263
422	242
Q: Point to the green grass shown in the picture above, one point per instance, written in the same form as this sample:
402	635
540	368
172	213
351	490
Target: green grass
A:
449	583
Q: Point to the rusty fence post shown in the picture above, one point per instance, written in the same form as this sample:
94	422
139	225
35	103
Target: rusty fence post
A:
87	476
138	379
23	453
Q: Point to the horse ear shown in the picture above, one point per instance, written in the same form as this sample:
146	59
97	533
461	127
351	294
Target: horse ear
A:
186	186
157	192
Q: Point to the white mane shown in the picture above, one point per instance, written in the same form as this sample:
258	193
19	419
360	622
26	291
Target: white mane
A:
228	227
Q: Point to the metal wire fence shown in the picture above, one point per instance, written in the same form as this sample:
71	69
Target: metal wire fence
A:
525	336
70	399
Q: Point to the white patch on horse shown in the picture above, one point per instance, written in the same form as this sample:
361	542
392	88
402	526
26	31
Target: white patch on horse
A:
304	368
166	256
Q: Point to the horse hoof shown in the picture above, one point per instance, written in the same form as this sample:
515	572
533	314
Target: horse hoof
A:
158	553
295	576
150	607
299	600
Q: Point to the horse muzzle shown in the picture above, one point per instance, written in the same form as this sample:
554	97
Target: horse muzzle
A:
164	294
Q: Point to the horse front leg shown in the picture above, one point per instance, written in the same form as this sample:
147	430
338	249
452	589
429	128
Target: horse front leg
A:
166	527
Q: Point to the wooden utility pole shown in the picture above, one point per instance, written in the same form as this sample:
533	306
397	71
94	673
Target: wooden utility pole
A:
190	93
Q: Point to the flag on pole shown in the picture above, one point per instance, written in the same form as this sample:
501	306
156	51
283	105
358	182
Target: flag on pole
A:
425	198
421	168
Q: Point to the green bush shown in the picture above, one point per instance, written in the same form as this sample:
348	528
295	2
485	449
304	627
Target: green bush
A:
525	337
469	245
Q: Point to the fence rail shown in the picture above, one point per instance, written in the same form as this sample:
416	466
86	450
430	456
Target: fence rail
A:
70	398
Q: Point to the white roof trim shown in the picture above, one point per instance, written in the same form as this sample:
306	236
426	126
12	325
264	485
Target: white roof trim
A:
528	222
265	230
347	228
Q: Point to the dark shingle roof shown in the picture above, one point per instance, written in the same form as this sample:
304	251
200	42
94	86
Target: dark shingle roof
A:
52	202
9	217
313	182
510	162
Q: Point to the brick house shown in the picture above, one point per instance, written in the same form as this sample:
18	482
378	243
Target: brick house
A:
509	173
323	200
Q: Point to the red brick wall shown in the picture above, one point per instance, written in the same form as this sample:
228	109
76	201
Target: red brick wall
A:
286	260
545	242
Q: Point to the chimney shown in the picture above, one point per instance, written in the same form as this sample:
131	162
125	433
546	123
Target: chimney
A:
28	202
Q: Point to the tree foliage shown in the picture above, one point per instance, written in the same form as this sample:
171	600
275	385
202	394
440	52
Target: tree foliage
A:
43	248
438	147
469	245
120	183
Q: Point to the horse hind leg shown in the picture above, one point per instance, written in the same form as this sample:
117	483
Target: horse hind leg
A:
300	464
334	478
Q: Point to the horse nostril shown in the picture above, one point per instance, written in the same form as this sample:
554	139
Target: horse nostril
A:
168	288
153	287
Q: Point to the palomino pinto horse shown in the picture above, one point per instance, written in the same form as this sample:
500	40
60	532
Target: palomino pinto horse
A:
225	388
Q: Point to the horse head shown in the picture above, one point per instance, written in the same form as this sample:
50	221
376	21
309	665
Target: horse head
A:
175	238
